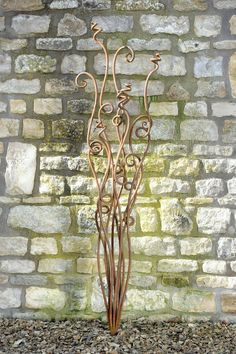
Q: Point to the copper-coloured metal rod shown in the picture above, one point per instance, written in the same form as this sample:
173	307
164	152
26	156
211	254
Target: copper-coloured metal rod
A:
122	176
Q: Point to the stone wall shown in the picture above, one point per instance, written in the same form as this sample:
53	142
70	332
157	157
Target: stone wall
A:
184	245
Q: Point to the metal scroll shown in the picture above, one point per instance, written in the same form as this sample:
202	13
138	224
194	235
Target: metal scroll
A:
121	177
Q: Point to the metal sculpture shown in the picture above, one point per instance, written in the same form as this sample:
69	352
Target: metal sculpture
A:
122	176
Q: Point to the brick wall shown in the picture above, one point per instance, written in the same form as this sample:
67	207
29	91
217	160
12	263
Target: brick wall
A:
183	241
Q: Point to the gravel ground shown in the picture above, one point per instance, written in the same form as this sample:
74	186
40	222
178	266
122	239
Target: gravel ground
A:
136	336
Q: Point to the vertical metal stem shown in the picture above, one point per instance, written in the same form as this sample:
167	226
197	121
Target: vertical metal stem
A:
122	176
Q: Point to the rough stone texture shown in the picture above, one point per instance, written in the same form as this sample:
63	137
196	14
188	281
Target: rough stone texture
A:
13	246
226	248
192	46
57	44
153	246
54	265
81	184
87	265
148	219
164	109
28	87
212	150
139	5
3	279
191	246
73	64
12	44
85	220
87	44
21	5
17	266
219	165
213	220
224	4
207	26
193	300
208	66
49	184
2	23
222	109
36	218
231	184
43	245
21	167
149	300
170	66
232	75
76	244
152	163
155	87
174	219
80	106
228	302
40	298
3	107
64	163
232	22
153	44
64	4
184	167
96	4
233	266
162	185
68	129
211	187
164	24
177	265
30	24
5	63
190	5
34	63
200	130
196	109
177	93
163	129
71	25
216	281
10	298
170	149
28	279
210	89
48	106
18	106
9	127
33	129
114	23
214	266
225	45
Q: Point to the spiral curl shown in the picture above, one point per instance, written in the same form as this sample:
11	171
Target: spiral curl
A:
110	218
96	30
123	96
95	147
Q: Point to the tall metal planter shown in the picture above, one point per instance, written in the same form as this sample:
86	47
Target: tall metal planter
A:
118	185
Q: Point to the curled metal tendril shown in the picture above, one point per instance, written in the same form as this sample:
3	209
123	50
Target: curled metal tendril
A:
156	59
123	174
144	130
132	160
123	96
96	147
96	30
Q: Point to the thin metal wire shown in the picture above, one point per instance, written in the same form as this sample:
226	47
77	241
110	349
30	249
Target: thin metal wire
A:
122	176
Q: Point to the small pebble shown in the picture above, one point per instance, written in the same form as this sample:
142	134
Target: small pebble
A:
139	336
